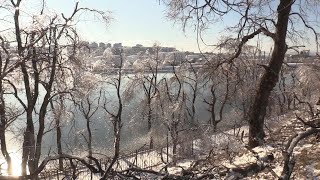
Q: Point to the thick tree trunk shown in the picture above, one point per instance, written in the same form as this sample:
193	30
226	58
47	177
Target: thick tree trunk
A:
270	77
28	139
28	146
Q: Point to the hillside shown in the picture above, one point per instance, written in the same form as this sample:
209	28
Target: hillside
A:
229	158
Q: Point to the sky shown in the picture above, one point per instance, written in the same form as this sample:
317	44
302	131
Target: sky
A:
134	22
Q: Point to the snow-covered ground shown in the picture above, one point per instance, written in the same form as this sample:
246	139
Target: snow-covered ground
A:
225	151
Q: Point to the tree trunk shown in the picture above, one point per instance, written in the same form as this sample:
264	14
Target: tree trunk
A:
116	145
174	136
270	77
59	144
4	150
3	123
57	115
28	145
89	139
117	124
150	121
174	149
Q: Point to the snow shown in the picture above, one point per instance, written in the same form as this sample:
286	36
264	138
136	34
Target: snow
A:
107	53
312	172
306	154
39	22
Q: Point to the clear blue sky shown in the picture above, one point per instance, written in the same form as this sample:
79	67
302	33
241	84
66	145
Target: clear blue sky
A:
135	21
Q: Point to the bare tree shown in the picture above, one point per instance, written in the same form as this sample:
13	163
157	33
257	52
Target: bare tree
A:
192	79
171	100
58	115
219	85
115	114
4	120
256	18
88	108
147	77
45	52
288	157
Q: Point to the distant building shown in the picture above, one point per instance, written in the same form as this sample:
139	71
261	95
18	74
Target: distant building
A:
138	45
141	49
84	43
128	51
167	49
193	57
102	45
302	56
117	45
179	57
93	45
172	58
305	53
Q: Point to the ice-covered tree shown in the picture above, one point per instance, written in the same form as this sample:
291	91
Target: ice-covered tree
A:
45	56
284	23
